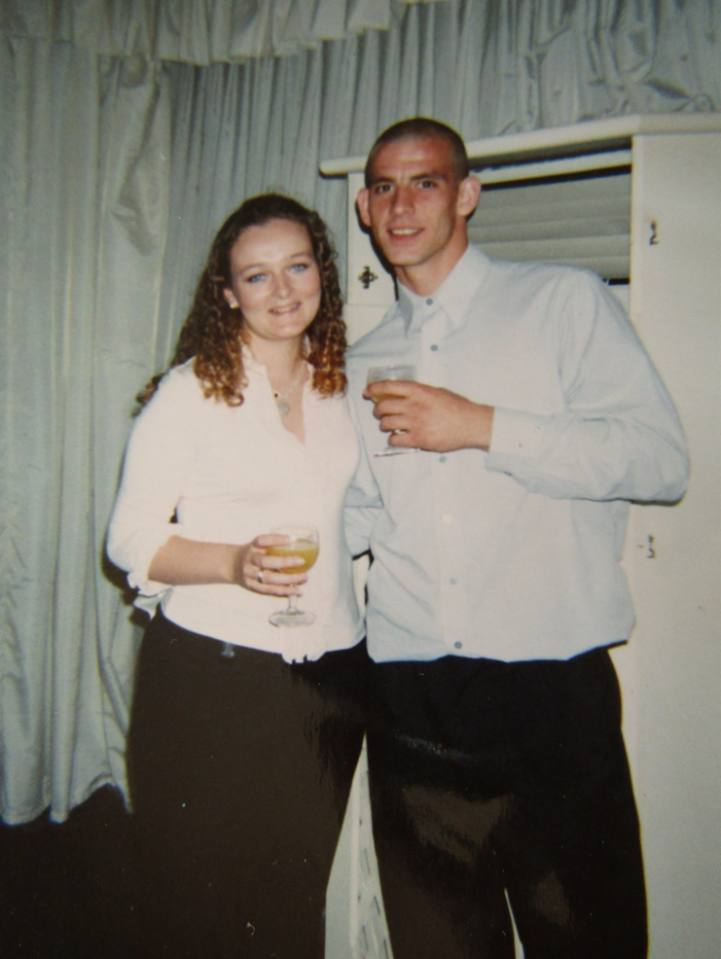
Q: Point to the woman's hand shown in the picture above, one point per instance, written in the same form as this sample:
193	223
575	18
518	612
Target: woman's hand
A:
255	570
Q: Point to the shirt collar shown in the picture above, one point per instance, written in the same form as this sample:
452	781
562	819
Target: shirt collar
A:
454	295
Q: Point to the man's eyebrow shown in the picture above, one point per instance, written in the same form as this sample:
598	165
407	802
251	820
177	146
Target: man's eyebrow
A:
429	176
373	181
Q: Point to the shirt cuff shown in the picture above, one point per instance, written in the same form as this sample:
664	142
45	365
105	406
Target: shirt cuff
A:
517	434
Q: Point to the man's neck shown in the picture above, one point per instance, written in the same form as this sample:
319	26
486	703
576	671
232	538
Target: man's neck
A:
425	278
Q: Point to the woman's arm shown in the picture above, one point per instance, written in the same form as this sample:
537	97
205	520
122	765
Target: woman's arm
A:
143	539
185	562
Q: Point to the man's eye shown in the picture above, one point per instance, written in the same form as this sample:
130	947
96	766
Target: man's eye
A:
427	184
381	188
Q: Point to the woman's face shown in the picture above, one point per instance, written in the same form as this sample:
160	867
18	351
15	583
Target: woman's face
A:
275	281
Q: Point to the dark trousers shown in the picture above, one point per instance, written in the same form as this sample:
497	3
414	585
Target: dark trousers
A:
494	782
240	768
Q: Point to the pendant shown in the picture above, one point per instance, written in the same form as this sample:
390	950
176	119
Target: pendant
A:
283	407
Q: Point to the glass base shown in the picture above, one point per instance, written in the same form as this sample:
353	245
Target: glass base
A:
292	617
396	450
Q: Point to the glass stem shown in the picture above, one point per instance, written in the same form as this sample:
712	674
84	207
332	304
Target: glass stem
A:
292	608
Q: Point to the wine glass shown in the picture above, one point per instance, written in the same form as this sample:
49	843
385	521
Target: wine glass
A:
303	542
395	371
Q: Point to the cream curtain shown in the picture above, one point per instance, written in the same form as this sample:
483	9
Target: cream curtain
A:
128	130
83	217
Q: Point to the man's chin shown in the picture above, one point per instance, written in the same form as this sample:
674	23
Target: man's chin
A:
398	256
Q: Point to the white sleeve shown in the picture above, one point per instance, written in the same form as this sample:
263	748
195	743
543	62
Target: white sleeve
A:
160	455
619	436
363	499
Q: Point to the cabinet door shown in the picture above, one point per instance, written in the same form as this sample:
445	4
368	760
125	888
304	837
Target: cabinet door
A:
673	554
369	283
371	288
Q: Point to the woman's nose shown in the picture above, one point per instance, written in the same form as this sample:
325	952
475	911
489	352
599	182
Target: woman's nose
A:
282	284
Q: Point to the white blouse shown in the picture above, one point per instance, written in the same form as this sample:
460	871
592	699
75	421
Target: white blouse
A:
228	474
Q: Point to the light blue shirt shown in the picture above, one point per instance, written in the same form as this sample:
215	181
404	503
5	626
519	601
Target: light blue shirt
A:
511	554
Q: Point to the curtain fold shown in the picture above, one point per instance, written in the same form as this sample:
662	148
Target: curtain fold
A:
116	169
84	210
196	31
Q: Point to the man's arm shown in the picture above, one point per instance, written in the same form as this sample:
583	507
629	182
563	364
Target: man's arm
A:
618	437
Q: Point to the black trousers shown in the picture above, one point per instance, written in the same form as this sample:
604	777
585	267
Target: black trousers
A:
240	768
493	782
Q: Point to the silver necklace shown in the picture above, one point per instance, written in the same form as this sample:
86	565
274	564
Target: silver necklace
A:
281	399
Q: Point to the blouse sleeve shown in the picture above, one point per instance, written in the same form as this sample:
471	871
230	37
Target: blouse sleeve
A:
159	458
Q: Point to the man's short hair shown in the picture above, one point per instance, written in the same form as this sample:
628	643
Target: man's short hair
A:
418	128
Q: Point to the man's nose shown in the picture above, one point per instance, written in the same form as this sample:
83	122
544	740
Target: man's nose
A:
402	199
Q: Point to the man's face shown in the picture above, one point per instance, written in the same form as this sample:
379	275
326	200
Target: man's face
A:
416	209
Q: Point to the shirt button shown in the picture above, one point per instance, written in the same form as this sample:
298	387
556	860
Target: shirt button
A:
453	580
458	645
442	459
434	347
447	519
429	302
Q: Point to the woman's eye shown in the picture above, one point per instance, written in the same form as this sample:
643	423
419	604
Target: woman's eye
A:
299	267
255	278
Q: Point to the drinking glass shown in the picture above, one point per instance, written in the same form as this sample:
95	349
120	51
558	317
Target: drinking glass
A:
395	371
302	542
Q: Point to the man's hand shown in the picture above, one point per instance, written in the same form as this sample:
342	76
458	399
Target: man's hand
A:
429	417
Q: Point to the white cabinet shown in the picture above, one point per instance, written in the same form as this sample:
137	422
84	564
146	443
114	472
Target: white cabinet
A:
661	215
673	555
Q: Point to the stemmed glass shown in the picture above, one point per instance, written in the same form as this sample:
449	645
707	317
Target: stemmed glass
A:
302	542
396	371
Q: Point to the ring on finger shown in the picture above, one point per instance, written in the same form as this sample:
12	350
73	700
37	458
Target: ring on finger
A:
260	575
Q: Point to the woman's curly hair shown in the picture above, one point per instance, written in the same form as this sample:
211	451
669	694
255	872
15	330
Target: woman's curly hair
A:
213	331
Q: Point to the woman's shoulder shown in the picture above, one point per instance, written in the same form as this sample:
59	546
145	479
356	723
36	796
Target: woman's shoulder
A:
179	394
181	381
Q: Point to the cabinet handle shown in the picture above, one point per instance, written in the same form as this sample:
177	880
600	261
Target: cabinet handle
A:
367	277
653	240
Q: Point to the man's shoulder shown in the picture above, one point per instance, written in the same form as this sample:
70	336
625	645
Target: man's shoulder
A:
541	271
524	279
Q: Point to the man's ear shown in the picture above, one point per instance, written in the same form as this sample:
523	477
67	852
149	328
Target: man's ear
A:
362	203
230	298
468	193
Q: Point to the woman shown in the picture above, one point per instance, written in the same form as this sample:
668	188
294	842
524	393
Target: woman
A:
244	735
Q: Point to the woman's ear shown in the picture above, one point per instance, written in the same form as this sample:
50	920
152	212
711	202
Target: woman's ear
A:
230	298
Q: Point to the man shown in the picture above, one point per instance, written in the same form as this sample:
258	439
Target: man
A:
497	766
